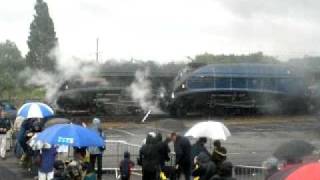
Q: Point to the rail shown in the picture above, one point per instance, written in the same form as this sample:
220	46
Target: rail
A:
242	172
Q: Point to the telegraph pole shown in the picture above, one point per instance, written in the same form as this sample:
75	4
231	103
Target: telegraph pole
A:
97	51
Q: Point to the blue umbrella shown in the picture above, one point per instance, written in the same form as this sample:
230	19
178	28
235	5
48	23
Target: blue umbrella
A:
35	110
71	135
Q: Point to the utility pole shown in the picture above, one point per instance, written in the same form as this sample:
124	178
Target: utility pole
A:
97	51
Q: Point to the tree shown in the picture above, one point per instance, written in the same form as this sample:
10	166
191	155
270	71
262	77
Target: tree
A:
206	58
11	64
42	39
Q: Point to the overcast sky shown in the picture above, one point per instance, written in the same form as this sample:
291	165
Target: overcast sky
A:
165	30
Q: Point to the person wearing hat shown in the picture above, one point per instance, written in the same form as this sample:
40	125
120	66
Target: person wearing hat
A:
125	166
149	158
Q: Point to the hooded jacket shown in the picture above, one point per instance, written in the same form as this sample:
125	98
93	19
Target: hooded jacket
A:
149	155
206	168
197	148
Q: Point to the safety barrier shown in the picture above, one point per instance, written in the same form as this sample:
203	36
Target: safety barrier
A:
113	155
114	151
242	172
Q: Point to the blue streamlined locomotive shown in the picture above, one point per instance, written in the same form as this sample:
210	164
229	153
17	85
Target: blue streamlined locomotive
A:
256	87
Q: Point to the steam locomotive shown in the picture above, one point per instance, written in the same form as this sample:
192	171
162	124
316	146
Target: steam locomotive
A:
107	94
214	89
221	88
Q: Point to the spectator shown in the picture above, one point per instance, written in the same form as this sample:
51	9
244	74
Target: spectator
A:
22	138
148	159
199	147
271	166
96	152
17	123
125	166
32	154
5	126
48	156
164	150
80	154
225	172
219	154
90	173
16	129
205	168
76	169
182	148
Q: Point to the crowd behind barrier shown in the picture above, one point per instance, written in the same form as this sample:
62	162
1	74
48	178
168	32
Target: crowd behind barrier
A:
115	149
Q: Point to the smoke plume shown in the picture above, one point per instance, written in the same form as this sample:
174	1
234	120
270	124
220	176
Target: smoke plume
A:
67	69
141	91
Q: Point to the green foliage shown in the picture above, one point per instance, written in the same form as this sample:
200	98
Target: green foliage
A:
134	65
309	63
42	39
11	64
206	58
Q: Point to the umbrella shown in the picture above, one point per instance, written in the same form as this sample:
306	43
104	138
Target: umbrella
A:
293	150
210	129
70	134
308	171
35	110
54	121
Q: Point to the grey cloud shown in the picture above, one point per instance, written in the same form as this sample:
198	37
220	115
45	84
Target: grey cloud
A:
307	9
285	28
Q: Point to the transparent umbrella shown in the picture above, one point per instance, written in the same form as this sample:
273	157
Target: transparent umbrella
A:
209	129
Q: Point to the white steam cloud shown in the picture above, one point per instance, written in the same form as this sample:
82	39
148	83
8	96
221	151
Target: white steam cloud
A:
67	69
141	92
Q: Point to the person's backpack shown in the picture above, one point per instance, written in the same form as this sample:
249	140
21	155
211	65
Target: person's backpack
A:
125	168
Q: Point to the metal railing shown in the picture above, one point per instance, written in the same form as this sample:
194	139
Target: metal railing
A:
241	172
114	151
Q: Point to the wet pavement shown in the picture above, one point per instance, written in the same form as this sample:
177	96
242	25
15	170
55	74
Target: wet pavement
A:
253	139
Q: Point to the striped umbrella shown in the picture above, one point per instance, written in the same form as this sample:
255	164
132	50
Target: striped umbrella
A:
35	110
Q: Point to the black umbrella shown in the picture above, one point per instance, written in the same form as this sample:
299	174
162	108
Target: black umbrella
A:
54	121
293	150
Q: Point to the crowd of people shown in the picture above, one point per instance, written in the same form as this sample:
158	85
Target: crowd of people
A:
49	161
191	161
